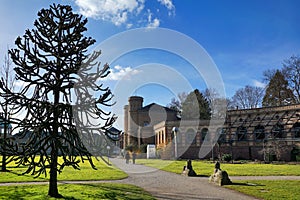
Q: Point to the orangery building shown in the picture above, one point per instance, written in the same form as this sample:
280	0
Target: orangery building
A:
269	134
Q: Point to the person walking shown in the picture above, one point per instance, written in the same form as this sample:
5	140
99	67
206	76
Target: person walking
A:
133	157
127	157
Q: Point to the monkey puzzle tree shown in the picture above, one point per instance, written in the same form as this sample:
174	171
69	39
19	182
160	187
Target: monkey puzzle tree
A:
60	115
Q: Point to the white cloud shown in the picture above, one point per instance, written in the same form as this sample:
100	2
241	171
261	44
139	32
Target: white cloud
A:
169	5
119	73
124	12
257	83
152	23
115	11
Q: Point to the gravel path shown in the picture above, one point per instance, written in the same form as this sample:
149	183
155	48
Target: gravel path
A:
166	185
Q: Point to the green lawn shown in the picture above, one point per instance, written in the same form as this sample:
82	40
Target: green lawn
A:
76	191
72	191
206	168
269	189
103	172
264	189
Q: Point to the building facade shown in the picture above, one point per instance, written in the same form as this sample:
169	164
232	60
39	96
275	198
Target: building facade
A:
139	121
269	134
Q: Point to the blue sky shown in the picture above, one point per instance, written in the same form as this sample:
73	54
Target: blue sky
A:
243	38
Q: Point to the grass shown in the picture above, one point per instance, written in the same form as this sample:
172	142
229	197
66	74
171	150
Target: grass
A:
259	188
264	189
271	190
206	168
76	191
103	172
72	191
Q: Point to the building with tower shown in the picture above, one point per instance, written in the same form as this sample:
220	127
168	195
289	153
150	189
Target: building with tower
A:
139	121
269	133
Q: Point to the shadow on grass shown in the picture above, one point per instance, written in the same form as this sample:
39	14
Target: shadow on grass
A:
115	191
67	198
39	178
247	184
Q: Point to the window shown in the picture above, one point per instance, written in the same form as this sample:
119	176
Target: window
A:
259	132
190	137
204	132
146	123
241	133
278	131
222	135
296	130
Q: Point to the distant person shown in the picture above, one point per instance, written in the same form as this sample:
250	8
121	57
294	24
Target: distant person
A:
217	167
127	157
189	166
122	153
133	157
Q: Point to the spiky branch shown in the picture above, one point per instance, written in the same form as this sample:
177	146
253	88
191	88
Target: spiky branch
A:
52	62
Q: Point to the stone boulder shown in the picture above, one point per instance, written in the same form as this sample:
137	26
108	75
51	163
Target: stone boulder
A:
219	176
188	169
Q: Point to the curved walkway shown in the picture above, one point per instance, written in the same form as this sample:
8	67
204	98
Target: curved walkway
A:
170	186
166	185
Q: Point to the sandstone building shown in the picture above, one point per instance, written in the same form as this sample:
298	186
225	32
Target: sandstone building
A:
271	133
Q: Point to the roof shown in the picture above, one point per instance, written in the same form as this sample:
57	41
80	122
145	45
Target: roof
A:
147	108
114	130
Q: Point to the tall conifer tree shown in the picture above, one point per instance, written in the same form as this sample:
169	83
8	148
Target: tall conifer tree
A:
50	60
278	91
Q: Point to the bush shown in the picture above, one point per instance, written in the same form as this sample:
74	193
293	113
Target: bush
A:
131	148
143	148
227	157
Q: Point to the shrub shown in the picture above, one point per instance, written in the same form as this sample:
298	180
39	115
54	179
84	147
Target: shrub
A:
227	157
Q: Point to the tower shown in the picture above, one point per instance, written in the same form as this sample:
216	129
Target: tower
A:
131	119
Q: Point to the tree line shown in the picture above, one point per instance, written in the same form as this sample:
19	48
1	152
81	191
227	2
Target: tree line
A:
282	87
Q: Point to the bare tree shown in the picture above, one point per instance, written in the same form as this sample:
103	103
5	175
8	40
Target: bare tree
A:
248	97
7	76
176	104
291	70
218	105
52	62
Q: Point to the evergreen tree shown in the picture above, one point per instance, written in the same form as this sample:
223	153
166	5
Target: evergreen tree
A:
278	91
195	106
50	60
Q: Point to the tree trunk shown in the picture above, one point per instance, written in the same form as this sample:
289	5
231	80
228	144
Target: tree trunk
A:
5	124
3	168
53	190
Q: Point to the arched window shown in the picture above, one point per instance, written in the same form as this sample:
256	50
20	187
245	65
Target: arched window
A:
204	132
241	133
259	132
278	131
190	137
222	135
296	130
